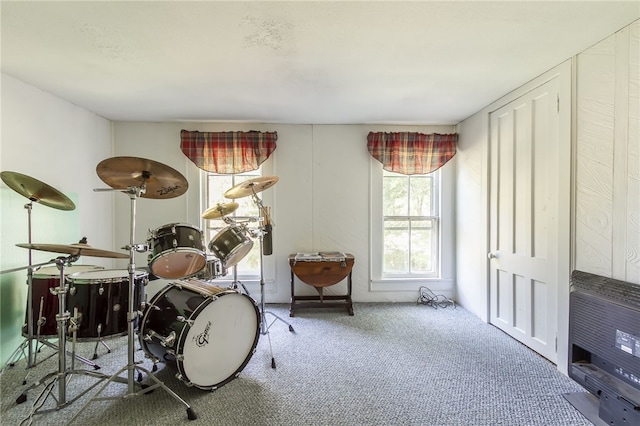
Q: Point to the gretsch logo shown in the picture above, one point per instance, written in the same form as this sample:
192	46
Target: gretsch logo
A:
202	339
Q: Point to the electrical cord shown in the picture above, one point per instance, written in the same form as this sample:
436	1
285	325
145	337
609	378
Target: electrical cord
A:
429	298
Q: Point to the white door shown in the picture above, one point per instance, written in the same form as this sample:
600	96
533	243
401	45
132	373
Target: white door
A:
524	146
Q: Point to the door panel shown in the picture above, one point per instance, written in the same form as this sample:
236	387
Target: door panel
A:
523	198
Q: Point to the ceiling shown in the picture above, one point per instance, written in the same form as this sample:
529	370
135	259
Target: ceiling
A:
300	62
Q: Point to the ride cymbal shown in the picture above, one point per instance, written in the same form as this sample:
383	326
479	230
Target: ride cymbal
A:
37	191
160	180
251	186
220	210
79	249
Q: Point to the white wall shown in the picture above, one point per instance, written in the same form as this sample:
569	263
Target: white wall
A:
606	183
471	215
321	201
607	197
59	144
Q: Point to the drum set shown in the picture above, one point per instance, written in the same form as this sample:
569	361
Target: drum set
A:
206	332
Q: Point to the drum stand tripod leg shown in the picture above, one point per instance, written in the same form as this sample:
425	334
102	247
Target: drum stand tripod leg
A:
100	341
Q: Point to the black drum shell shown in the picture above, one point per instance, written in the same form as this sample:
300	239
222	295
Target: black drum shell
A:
102	301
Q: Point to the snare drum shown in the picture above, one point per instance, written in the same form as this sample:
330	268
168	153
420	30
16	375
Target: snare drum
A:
230	245
177	251
208	333
212	270
102	299
43	302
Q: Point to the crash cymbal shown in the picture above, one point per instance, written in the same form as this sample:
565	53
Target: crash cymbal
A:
251	186
220	210
37	191
161	181
78	249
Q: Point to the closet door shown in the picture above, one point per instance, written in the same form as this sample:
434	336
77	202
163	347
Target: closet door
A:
524	146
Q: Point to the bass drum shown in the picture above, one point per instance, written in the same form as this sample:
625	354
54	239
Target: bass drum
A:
102	301
208	333
44	303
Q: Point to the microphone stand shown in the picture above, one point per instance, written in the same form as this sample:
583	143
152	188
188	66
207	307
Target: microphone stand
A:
264	327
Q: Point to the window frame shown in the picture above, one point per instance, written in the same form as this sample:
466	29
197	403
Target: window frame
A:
442	278
434	218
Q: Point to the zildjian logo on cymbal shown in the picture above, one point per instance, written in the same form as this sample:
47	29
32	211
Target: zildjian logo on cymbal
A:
164	191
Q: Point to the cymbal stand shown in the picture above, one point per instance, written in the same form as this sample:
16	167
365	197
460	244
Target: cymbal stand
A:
16	355
131	367
264	327
60	376
31	354
234	285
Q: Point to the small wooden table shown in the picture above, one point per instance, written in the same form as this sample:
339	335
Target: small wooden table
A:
320	274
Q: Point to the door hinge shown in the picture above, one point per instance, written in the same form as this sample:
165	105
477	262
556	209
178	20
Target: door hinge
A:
558	102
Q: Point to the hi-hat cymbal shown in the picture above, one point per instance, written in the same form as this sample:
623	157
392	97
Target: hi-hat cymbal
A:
251	186
37	191
79	249
220	210
160	180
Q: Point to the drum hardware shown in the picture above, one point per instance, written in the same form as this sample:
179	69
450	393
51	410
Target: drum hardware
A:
35	191
212	270
252	187
168	341
60	376
98	342
133	176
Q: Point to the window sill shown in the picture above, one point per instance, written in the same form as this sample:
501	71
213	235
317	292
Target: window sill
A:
411	284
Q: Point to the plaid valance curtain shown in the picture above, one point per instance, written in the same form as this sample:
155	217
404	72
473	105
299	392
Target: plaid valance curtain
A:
411	153
228	152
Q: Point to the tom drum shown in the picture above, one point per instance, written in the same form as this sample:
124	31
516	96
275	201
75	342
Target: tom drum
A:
230	245
177	251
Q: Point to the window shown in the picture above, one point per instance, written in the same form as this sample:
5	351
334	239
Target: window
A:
410	224
412	230
246	216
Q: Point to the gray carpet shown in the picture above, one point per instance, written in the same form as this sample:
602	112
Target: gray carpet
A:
389	364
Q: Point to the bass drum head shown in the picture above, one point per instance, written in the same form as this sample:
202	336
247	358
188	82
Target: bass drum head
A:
221	340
